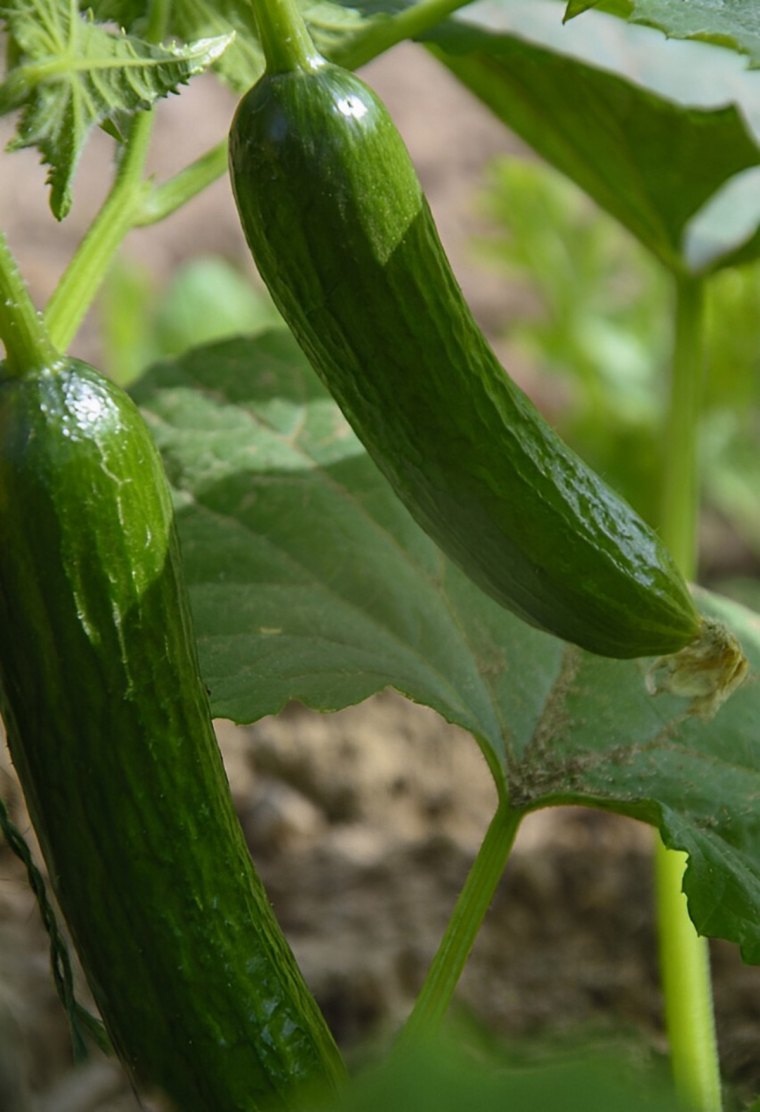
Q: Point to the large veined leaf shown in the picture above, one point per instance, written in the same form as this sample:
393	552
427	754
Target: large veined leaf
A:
627	118
734	23
440	1077
70	74
310	581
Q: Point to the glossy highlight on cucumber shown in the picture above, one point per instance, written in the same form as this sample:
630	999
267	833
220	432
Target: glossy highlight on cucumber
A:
343	237
109	728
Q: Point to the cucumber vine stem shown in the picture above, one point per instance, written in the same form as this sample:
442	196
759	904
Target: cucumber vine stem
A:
88	266
383	33
470	909
684	956
176	191
285	38
680	488
83	276
27	346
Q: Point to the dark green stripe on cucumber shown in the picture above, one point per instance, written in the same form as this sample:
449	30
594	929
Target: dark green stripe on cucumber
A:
342	235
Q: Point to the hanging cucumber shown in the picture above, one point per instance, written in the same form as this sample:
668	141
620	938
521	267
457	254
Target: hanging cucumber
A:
342	235
109	728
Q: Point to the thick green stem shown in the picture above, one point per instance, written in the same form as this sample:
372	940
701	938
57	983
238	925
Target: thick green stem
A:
172	194
684	956
82	278
381	34
27	346
444	973
158	19
686	984
285	39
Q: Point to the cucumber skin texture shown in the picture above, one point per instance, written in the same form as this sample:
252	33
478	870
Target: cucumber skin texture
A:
344	239
110	731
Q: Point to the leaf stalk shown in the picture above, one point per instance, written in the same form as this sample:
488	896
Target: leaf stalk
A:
384	32
166	198
470	909
684	955
88	266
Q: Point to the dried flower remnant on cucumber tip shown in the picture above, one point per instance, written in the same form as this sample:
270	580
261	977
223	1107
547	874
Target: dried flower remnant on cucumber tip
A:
707	671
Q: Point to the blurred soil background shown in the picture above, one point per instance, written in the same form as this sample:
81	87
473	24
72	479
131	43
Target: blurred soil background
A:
364	824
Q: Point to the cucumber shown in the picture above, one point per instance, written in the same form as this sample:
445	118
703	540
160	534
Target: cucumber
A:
342	235
109	728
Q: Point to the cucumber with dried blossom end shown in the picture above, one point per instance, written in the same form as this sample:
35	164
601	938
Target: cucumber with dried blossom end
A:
110	731
342	235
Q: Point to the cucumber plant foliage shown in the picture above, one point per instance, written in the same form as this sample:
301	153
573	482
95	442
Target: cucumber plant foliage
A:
61	101
731	23
632	138
310	581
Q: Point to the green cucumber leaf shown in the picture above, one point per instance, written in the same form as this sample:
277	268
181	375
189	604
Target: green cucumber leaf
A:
732	23
726	232
624	114
731	468
440	1076
243	63
310	581
189	20
129	15
207	299
70	74
331	24
621	8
